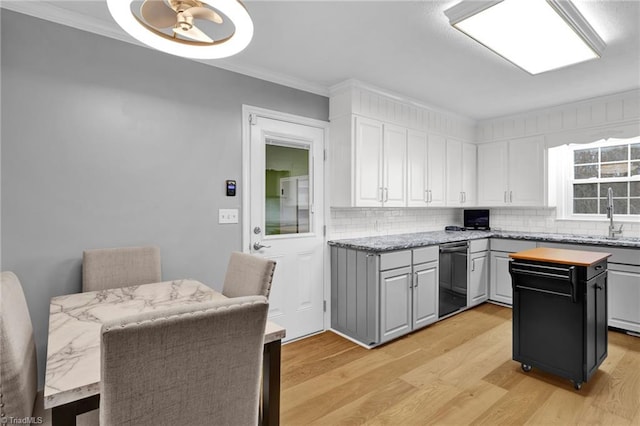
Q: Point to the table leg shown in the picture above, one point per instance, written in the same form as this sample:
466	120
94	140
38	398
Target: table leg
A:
271	384
65	415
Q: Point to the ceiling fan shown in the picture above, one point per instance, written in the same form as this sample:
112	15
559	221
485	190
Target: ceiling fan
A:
179	15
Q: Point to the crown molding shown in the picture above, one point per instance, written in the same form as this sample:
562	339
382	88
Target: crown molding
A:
50	12
357	84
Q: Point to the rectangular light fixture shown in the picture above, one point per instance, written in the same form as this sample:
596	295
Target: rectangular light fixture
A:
535	35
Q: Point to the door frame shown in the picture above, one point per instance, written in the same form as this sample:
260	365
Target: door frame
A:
247	112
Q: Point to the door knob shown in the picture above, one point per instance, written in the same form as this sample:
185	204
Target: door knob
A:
258	246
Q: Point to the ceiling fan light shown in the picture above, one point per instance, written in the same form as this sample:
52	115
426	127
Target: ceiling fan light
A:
234	10
535	35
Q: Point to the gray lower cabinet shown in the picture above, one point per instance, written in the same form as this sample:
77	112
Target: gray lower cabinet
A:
425	294
395	303
624	297
499	278
378	297
478	280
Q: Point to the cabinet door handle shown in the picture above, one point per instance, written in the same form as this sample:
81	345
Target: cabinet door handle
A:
473	265
415	280
380	194
430	197
386	195
511	196
464	196
426	195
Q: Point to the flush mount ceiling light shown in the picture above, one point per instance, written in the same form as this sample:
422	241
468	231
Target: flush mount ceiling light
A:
169	26
535	35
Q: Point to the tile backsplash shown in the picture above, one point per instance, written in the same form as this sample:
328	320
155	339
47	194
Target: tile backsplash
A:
365	222
361	222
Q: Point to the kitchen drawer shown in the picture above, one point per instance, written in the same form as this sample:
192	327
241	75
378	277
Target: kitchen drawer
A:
395	259
627	256
478	245
511	246
426	254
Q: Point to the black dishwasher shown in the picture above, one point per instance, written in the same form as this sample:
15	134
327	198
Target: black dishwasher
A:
559	316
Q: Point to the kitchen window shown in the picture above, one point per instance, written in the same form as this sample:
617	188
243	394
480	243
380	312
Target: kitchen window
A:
595	168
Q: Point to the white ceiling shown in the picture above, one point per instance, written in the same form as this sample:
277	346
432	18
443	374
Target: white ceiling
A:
405	47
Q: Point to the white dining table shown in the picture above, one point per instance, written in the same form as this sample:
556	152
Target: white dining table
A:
72	380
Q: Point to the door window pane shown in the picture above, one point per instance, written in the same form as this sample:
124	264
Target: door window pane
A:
287	192
635	151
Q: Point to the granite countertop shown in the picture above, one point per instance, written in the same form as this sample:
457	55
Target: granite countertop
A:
421	239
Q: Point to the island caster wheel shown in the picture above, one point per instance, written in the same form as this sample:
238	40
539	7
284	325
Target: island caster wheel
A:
577	385
526	368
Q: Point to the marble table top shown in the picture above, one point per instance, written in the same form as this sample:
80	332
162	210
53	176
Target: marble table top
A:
75	321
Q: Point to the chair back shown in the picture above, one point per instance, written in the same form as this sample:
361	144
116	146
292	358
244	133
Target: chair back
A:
248	275
104	269
18	365
191	365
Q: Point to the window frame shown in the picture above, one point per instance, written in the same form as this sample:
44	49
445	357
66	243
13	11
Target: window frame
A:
567	164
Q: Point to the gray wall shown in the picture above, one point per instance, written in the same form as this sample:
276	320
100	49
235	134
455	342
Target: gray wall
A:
107	144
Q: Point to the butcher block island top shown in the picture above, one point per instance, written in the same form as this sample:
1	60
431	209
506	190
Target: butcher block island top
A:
562	256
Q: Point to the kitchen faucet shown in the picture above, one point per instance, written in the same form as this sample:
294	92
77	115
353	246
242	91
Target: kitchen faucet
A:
612	229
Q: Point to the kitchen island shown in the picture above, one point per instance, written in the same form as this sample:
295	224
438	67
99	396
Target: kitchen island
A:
560	311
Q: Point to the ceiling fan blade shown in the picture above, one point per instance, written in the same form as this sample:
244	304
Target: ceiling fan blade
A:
193	33
158	14
203	13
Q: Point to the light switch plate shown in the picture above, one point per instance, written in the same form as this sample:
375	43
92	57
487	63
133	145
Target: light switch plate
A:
227	215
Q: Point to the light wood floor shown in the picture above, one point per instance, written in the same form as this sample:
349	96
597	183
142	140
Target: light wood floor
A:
458	371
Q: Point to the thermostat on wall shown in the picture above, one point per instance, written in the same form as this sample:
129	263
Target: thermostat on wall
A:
231	188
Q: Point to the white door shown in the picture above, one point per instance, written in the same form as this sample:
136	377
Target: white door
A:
285	218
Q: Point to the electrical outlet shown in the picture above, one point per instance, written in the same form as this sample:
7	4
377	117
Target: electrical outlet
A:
227	215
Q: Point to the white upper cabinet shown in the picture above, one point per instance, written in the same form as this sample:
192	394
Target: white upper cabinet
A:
388	152
368	162
512	173
461	173
426	169
394	162
380	164
492	173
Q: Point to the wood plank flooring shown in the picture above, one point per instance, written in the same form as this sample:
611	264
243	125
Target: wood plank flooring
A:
456	372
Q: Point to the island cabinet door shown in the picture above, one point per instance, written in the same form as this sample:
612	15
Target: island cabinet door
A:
596	323
425	294
395	303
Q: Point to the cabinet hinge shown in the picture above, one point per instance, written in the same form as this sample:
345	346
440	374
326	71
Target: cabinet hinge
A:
253	119
324	306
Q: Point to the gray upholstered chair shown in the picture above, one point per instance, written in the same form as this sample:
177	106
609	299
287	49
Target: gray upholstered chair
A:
120	267
192	365
248	275
19	398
